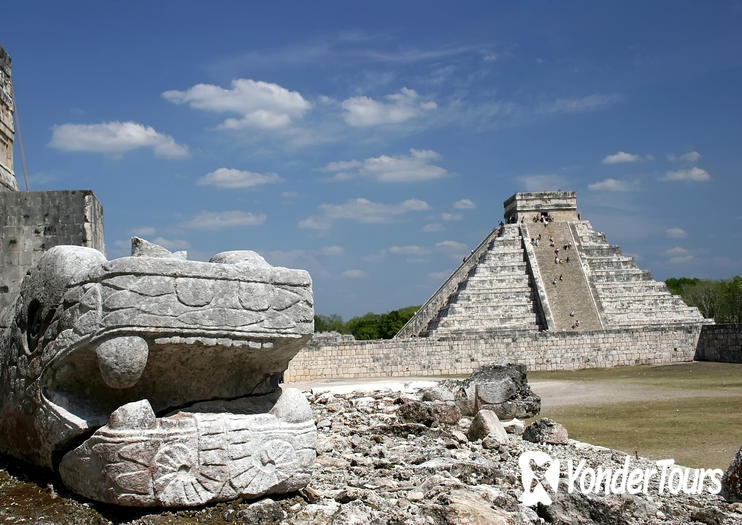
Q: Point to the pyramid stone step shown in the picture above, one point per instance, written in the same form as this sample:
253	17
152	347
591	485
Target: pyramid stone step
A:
471	310
625	275
605	263
500	283
492	297
600	250
499	273
639	303
503	265
631	289
486	323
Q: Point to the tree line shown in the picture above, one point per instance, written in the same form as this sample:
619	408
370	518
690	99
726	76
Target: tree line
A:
719	300
368	326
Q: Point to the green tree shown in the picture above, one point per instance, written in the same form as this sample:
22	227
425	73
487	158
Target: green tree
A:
329	323
676	284
718	300
367	326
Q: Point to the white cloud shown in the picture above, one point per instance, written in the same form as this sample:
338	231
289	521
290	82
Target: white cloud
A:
361	210
408	250
614	185
578	104
676	233
693	174
398	107
680	259
433	228
679	255
142	231
342	165
375	258
677	250
464	204
544	182
218	220
453	249
259	104
690	156
448	217
621	157
354	274
229	178
451	245
115	138
172	244
332	251
416	167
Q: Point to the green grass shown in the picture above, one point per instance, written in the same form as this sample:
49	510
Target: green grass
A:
700	426
698	375
697	432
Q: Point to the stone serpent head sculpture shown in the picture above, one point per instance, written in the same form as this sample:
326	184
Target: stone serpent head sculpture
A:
152	380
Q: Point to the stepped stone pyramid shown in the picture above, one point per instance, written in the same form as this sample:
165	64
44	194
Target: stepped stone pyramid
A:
546	269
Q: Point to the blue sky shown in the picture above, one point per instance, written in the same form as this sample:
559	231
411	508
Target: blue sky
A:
374	143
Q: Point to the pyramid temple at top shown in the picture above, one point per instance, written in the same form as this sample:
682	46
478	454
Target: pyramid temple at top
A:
546	269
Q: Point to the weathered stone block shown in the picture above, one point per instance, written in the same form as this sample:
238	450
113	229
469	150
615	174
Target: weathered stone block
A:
112	343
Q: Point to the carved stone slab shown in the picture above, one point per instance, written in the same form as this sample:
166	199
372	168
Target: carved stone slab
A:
99	347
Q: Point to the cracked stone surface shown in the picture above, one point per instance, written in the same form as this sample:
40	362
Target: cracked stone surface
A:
152	380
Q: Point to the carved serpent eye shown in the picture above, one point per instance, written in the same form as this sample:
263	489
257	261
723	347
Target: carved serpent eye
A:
34	324
37	323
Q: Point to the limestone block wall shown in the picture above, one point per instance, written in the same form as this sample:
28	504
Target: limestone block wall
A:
32	222
561	205
720	342
459	356
7	130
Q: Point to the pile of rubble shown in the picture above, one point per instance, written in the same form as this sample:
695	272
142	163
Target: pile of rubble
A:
424	456
416	457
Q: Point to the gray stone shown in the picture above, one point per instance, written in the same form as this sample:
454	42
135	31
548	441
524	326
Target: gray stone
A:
514	426
246	257
417	412
143	248
500	387
731	483
112	343
486	424
546	430
32	222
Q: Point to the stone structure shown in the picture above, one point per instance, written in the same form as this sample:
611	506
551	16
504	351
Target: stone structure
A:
547	270
720	342
31	222
7	130
512	300
556	205
538	350
96	350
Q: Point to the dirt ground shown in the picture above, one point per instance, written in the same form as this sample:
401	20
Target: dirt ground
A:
690	412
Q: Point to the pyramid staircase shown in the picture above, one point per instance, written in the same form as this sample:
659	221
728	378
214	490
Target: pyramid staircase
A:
569	297
626	295
493	292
